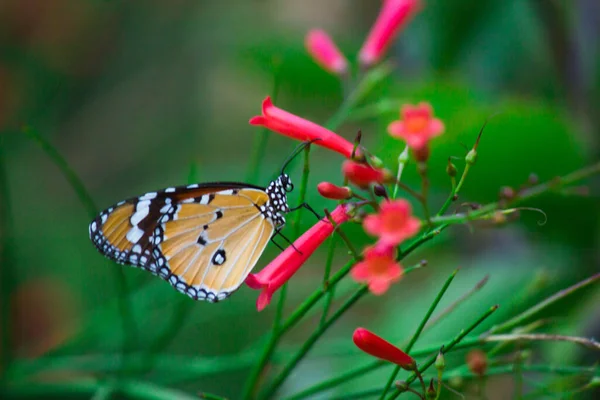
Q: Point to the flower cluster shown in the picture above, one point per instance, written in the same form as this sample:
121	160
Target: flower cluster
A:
393	222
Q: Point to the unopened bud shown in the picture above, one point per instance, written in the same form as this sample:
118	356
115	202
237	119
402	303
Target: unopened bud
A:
451	169
431	393
421	154
334	192
507	193
401	386
499	218
477	362
440	362
471	157
376	162
380	191
533	179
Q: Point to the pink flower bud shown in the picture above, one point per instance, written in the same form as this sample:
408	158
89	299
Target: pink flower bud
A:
334	192
324	51
378	347
362	174
393	15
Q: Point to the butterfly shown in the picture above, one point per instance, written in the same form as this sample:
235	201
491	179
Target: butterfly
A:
204	239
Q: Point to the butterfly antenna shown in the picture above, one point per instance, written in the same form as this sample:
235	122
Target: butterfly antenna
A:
297	151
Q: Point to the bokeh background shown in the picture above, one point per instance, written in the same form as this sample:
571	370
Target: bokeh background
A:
142	95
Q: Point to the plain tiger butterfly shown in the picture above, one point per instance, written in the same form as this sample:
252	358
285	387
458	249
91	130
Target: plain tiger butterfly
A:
204	239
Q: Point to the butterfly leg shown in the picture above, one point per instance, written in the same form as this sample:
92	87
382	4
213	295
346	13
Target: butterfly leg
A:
278	232
309	208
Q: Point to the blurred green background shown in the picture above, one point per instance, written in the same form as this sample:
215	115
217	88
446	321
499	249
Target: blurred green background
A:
142	95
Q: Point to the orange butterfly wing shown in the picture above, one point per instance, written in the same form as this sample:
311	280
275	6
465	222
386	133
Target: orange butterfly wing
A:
203	239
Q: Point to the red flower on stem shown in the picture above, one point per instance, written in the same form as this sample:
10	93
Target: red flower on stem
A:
363	175
394	14
282	268
379	269
417	126
298	128
393	223
378	347
334	192
324	51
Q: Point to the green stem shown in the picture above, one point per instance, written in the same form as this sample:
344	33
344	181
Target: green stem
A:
372	366
521	318
87	388
65	169
364	87
129	329
419	330
6	262
503	370
276	331
312	339
259	146
447	348
326	275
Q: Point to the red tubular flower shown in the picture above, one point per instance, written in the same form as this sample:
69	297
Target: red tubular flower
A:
379	269
362	174
394	222
393	15
334	192
417	126
378	347
282	268
324	51
290	125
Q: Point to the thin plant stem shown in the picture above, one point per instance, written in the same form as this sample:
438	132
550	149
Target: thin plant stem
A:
447	348
84	196
364	87
422	167
259	146
364	289
525	315
312	339
458	302
276	330
419	330
372	366
6	262
209	396
326	275
588	343
128	324
492	371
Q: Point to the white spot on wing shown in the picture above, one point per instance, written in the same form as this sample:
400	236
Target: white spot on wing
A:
137	249
226	192
169	190
135	234
148	196
194	186
139	215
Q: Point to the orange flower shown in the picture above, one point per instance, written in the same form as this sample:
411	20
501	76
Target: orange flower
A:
394	222
417	126
378	347
379	269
